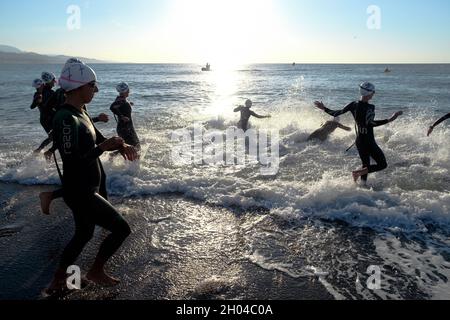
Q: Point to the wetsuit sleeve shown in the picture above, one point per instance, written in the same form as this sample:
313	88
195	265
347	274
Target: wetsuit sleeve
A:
441	120
100	137
115	108
371	119
256	115
35	103
238	109
378	123
51	102
95	120
67	136
338	113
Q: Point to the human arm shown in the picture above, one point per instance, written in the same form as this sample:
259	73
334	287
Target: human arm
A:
430	130
102	117
37	100
129	152
259	116
115	108
341	126
333	113
378	123
66	134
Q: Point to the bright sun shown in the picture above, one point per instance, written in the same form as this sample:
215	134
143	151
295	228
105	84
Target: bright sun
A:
221	32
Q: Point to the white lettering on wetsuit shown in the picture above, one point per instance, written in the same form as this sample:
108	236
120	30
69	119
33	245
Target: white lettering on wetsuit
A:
67	138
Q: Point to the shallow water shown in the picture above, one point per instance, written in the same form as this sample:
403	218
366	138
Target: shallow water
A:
399	223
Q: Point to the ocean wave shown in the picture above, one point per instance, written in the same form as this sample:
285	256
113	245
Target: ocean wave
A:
313	181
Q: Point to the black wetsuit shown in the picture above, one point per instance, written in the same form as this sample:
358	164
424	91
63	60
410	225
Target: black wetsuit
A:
364	114
58	99
47	109
122	108
36	103
246	113
441	120
84	185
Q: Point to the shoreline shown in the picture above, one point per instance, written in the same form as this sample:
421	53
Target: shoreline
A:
179	250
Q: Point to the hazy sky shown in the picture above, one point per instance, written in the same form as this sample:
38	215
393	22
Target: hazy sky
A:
233	31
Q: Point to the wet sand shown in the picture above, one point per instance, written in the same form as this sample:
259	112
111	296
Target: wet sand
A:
179	249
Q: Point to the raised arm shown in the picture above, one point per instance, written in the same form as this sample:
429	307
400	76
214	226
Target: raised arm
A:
438	123
378	123
238	109
333	113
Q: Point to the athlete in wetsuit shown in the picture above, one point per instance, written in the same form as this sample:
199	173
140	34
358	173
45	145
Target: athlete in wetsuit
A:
328	128
46	198
430	130
80	145
58	99
38	84
46	108
122	110
364	114
246	113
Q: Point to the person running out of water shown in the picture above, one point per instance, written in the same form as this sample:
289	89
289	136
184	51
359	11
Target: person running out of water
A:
431	129
38	84
47	198
364	115
58	99
122	110
328	128
80	145
46	109
246	113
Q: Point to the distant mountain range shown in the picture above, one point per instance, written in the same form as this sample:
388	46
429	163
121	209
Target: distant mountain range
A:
12	55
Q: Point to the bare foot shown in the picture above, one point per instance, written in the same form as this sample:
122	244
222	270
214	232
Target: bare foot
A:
46	200
359	173
102	279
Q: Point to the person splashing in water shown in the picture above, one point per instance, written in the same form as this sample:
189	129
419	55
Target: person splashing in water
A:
246	113
364	115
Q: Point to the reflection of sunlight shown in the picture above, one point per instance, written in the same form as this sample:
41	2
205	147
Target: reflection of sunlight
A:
226	85
222	32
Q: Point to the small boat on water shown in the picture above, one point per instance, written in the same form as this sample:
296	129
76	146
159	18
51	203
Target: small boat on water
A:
207	68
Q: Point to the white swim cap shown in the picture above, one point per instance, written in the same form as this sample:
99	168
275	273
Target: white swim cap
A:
248	103
37	83
75	75
73	60
366	89
122	87
48	77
